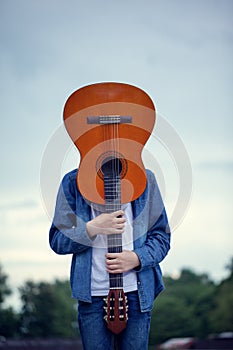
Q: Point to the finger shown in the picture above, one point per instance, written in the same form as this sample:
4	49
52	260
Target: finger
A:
118	213
120	226
111	261
117	270
111	255
116	231
112	266
120	220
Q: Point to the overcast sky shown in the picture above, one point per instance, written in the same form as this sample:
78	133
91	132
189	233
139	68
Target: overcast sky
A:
180	53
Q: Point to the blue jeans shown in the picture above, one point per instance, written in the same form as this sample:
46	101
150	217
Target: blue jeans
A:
95	334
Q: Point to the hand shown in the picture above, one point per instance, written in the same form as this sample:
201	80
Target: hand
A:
121	262
107	224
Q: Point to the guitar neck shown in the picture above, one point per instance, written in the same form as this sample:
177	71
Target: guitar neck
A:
112	193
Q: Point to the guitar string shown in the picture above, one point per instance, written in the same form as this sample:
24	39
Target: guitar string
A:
115	180
111	142
113	185
118	193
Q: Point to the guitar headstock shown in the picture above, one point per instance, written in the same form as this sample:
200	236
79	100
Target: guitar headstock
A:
116	310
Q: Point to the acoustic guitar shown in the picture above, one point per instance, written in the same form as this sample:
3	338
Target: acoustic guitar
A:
110	123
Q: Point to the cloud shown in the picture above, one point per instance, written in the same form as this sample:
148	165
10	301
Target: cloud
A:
221	165
23	204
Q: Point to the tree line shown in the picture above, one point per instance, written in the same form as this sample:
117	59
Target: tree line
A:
192	305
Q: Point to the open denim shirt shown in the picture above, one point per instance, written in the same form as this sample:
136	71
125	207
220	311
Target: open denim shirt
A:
151	232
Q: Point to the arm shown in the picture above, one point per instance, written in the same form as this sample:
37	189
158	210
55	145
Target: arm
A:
68	234
157	241
149	254
72	230
156	245
152	246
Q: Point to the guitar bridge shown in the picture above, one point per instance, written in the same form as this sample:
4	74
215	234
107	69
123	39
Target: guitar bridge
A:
109	119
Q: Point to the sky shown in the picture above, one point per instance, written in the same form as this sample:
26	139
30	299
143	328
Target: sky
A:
180	53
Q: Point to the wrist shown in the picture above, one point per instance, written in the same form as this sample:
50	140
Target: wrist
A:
90	231
137	262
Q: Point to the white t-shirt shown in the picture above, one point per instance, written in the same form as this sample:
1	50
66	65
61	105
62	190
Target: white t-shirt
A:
99	275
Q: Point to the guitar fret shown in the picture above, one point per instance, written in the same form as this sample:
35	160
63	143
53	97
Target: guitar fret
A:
115	249
115	238
116	280
112	192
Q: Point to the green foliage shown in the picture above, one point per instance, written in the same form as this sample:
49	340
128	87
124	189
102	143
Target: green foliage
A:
8	318
183	310
192	305
9	322
221	316
170	318
47	310
4	288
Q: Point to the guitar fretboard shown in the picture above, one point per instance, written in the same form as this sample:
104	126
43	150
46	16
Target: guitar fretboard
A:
112	192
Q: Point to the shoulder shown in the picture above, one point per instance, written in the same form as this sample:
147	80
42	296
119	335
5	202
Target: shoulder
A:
70	176
149	173
152	184
151	180
68	183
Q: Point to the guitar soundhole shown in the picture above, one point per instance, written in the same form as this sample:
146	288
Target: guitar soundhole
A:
111	166
110	163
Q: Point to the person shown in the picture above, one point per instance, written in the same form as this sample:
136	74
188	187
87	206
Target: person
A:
81	228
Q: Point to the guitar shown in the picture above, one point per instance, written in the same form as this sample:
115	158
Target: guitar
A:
110	123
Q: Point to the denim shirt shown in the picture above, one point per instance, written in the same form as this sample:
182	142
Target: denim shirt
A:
151	232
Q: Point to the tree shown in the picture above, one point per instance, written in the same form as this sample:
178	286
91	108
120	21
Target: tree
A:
9	323
221	316
183	309
4	288
229	267
47	310
8	317
170	318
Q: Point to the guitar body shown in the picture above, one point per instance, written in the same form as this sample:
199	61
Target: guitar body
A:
110	121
